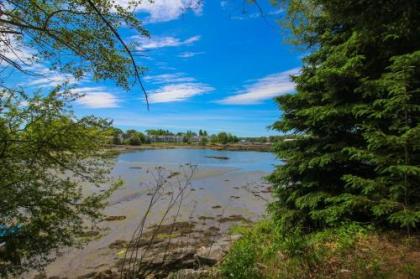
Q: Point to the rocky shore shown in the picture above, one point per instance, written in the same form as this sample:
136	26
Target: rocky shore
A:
230	147
177	250
187	241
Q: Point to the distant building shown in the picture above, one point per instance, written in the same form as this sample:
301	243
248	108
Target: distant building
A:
174	139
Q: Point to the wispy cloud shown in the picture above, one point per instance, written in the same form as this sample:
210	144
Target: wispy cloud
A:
263	89
178	92
189	54
165	10
168	78
160	42
48	78
245	16
224	3
96	97
16	52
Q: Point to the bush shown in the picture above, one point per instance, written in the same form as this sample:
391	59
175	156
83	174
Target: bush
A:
349	251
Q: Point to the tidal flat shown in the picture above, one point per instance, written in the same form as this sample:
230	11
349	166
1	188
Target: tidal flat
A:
213	195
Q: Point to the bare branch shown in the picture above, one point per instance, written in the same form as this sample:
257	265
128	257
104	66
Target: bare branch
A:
137	74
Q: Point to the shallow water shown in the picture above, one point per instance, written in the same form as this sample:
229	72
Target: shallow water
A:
243	160
233	186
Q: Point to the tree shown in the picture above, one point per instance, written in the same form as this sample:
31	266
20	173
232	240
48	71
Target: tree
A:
355	117
158	132
133	137
222	138
188	136
45	30
204	141
117	136
45	152
232	138
202	133
213	139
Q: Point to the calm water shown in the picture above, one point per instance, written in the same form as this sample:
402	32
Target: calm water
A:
236	186
243	160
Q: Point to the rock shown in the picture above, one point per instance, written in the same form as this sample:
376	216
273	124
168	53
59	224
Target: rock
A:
234	218
180	257
205	218
218	157
87	275
235	237
188	274
210	255
118	244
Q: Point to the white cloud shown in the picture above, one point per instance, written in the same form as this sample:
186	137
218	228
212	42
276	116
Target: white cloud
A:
160	42
178	92
165	10
47	77
168	78
245	16
263	89
14	50
96	97
189	54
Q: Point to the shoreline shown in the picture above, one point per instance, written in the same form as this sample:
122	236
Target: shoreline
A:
228	147
192	240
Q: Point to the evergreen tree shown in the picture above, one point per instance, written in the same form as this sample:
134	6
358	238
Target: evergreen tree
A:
355	155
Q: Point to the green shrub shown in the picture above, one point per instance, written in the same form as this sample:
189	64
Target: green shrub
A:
266	250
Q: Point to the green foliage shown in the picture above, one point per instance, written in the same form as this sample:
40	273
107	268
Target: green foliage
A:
204	141
158	132
213	139
225	138
266	250
355	116
46	156
133	137
240	264
202	133
187	137
77	37
46	153
117	136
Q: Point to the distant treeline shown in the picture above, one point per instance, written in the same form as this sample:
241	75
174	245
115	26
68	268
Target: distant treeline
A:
134	137
202	137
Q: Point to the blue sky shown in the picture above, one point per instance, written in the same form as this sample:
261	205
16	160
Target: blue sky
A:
213	65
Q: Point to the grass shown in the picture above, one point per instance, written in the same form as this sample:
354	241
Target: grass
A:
351	251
